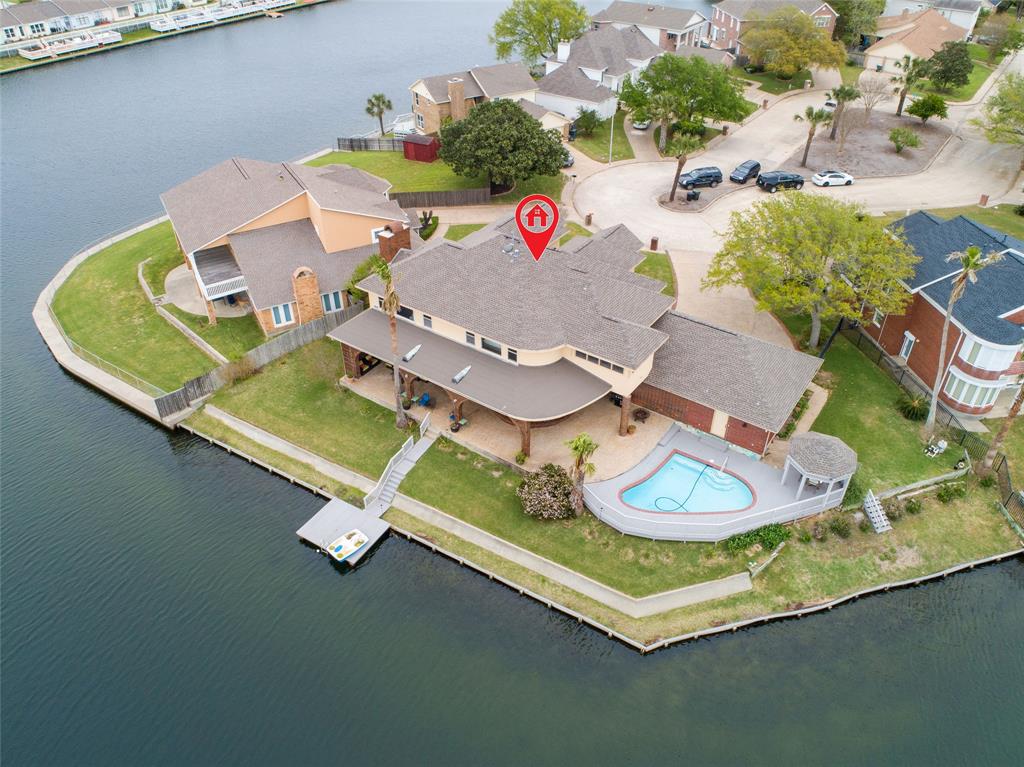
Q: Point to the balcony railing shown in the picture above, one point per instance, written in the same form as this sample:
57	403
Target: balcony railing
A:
225	287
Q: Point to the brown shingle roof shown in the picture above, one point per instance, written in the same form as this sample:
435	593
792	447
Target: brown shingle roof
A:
660	16
929	30
745	9
570	82
493	82
609	49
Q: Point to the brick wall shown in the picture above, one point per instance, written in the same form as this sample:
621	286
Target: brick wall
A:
306	289
265	318
673	406
926	325
351	357
753	438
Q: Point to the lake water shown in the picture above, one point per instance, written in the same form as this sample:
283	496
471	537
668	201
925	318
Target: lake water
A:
157	608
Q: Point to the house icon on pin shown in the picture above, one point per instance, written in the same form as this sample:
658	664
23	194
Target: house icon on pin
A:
537	216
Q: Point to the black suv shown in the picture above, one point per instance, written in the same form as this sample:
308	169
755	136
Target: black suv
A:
701	177
779	179
745	171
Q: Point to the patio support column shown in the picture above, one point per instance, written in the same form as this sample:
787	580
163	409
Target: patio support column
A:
627	401
785	471
456	402
800	490
407	379
210	313
524	434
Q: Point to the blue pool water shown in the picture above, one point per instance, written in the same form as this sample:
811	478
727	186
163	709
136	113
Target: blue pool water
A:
685	484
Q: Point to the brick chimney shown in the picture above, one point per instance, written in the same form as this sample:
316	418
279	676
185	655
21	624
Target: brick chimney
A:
306	288
457	97
395	236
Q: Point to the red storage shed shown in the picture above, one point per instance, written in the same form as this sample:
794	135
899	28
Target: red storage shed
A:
420	148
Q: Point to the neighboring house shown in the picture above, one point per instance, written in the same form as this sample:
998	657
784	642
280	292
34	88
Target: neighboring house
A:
731	18
568	91
436	98
918	35
667	27
710	55
963	13
47	17
608	55
283	237
549	119
985	348
538	340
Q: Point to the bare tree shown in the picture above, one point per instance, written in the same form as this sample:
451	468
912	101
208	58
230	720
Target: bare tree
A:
848	124
873	91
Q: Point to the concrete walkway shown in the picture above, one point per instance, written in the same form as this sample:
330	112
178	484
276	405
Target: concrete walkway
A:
642	141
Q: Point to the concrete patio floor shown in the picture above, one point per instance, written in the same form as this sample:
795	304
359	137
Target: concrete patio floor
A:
487	434
181	290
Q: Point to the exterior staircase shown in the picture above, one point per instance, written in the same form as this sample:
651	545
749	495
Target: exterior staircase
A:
393	478
876	514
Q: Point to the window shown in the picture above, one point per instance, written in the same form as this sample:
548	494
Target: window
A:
83	21
380	302
617	368
282	315
821	21
908	345
877	317
415	98
10	33
606	364
37	29
470	338
375	232
419	120
580	355
405	311
331	301
492	346
513	355
428	321
139	8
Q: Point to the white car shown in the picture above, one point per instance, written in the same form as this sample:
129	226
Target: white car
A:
642	124
830	106
832	178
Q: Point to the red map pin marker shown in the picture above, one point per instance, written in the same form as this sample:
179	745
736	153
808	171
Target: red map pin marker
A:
537	219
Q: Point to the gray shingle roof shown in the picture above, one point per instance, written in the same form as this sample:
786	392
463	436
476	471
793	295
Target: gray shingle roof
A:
610	49
42	10
591	303
532	108
234	192
744	9
823	455
569	81
493	82
753	380
1000	286
672	18
710	55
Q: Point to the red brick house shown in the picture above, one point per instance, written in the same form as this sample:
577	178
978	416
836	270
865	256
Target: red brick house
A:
731	18
984	364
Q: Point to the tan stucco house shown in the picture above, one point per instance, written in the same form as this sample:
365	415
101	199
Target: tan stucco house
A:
282	237
918	35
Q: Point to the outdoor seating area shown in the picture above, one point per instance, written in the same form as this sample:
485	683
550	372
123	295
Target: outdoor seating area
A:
180	290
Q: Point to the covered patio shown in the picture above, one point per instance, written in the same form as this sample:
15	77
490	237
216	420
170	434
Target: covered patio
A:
181	289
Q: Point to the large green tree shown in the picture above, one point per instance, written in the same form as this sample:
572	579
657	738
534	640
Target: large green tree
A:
687	89
932	105
376	106
786	41
856	18
533	28
951	66
816	255
1003	114
500	140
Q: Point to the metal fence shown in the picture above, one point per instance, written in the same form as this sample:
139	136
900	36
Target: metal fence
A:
371	497
445	199
205	385
370	144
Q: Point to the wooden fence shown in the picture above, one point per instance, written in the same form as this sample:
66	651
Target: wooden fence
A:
445	199
206	384
368	144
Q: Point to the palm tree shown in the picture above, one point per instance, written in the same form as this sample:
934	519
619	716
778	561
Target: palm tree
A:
813	117
842	95
582	447
376	106
662	107
913	71
1004	429
391	306
971	261
682	148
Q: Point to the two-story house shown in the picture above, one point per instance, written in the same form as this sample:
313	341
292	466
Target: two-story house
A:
536	341
282	237
39	18
440	97
963	13
984	364
668	27
731	18
918	35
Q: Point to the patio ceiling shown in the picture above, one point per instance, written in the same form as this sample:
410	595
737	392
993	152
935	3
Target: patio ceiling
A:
526	393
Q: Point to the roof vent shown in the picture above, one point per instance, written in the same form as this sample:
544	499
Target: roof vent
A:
411	353
457	378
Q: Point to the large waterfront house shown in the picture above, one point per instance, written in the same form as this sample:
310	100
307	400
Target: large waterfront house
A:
47	17
984	364
668	27
731	18
283	237
963	13
536	341
918	35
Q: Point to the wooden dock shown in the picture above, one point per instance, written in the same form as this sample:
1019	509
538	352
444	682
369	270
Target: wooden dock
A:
335	519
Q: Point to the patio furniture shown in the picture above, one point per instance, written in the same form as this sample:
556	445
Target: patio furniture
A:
424	400
936	449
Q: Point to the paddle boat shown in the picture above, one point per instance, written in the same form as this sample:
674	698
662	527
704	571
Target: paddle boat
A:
347	545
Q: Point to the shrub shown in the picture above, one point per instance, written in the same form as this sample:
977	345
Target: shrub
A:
893	508
546	493
804	535
690	127
932	105
855	491
1019	209
865	525
587	122
950	491
840	526
912	506
820	532
238	370
361	272
520	457
429	228
914	407
902	138
794	417
768	536
987	480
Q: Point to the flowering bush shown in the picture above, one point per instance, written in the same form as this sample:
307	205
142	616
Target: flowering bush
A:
546	493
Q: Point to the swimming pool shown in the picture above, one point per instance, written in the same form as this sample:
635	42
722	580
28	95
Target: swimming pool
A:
684	484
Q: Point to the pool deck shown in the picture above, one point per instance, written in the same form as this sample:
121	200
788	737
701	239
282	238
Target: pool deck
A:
773	501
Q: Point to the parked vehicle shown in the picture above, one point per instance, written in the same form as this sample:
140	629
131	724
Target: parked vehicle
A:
745	171
831	178
567	158
709	176
831	106
779	179
641	124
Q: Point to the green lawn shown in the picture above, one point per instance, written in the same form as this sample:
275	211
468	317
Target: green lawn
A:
297	397
1013	447
595	146
159	265
659	267
102	307
861	410
709	133
481	492
457	231
574	230
980	53
850	73
546	185
1001	217
231	336
979	75
769	83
